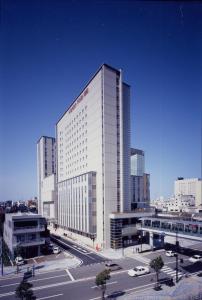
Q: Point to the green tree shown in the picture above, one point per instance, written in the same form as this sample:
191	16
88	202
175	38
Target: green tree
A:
157	264
101	280
24	291
19	251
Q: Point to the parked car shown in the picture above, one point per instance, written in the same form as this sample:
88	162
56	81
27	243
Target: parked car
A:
112	267
195	258
170	253
56	250
139	270
19	261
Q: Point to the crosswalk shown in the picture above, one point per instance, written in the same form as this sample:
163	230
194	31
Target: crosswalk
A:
171	272
165	269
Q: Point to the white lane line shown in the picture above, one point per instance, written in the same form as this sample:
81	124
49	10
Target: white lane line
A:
95	286
128	290
40	279
7	277
70	275
71	246
48	297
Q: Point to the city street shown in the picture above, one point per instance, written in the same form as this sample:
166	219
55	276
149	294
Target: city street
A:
79	283
87	257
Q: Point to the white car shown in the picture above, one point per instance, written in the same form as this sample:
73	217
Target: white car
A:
195	258
137	271
19	261
170	253
56	250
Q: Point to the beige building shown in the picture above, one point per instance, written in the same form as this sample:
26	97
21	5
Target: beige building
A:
189	186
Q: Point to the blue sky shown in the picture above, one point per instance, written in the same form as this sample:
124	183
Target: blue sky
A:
49	51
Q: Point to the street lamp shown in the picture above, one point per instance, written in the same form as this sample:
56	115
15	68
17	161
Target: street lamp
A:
2	265
176	255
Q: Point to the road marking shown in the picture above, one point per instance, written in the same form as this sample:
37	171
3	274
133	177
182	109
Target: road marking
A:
8	277
127	290
40	279
70	275
73	247
48	297
95	286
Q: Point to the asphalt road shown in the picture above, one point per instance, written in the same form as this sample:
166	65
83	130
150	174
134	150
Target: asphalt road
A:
79	283
87	257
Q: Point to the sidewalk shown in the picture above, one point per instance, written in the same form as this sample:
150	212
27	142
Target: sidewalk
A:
185	289
130	251
45	266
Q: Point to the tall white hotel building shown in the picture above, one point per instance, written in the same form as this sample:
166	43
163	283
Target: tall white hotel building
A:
93	157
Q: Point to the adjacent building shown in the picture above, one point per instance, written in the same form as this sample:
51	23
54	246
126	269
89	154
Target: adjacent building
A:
191	187
140	181
46	176
93	157
25	230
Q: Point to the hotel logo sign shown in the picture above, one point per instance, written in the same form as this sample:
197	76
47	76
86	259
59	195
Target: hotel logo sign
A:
81	97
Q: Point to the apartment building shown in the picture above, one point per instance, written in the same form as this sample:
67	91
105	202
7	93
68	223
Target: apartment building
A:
25	230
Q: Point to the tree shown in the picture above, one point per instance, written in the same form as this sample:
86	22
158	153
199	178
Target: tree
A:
101	279
157	264
19	251
24	291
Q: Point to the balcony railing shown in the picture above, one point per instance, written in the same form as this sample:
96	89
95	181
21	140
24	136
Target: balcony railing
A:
28	242
29	228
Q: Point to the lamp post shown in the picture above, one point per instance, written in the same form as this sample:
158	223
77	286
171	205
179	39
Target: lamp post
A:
2	265
176	255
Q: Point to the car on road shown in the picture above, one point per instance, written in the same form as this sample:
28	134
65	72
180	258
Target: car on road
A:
170	253
56	250
19	261
112	267
195	258
139	270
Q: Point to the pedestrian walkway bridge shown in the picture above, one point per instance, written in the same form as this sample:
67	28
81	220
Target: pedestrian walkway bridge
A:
189	229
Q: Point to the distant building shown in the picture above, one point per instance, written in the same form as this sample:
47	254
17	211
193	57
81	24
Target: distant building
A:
46	170
137	162
191	187
25	230
181	203
140	181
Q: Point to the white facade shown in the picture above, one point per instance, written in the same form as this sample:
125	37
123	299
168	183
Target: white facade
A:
93	157
46	157
180	203
189	186
24	230
48	196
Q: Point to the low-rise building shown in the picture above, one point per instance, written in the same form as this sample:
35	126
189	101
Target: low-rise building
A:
25	230
189	186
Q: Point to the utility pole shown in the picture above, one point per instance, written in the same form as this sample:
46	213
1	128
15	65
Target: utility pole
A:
176	255
2	265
